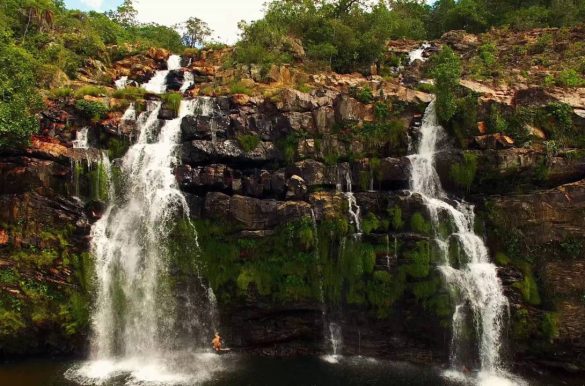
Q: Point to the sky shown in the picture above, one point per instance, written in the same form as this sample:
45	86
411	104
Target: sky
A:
221	15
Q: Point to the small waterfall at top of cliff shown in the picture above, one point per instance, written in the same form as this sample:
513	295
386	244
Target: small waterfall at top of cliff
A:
417	54
121	83
473	280
137	320
158	83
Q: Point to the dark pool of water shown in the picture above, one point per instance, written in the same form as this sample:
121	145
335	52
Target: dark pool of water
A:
254	371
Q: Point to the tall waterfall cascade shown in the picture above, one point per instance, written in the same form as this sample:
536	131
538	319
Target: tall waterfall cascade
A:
331	331
139	325
473	280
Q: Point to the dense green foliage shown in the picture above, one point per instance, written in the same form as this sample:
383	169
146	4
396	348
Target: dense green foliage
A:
43	45
349	35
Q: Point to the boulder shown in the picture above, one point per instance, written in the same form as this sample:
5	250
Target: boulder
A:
349	109
300	121
294	100
324	119
460	40
296	188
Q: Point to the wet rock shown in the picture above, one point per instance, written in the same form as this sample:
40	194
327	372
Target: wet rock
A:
198	151
296	188
175	80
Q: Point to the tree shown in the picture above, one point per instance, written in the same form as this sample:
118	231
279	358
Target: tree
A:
125	14
196	32
19	101
446	71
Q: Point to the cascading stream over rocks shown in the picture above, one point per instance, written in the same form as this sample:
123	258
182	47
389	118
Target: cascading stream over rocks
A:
471	277
139	321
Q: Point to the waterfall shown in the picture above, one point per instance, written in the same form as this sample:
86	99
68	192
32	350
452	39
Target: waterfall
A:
331	330
474	281
130	113
353	207
387	251
80	141
134	320
188	81
121	82
158	83
417	54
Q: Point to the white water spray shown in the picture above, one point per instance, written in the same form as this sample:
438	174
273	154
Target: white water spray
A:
158	83
474	281
353	207
417	54
188	81
134	320
121	83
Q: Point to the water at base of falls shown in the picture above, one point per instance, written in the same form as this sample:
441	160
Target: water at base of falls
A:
135	328
473	280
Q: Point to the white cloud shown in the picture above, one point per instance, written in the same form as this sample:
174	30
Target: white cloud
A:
221	15
95	4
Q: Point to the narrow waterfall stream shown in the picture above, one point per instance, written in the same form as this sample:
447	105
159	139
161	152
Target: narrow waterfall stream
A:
353	207
473	280
137	320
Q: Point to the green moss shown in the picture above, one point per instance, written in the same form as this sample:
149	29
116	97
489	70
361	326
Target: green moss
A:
371	223
248	142
396	220
240	88
502	259
550	325
463	174
117	147
528	288
419	260
419	224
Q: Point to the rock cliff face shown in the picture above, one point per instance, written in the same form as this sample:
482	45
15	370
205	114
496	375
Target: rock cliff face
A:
270	180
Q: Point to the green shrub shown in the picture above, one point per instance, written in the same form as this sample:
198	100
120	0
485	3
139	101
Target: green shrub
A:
94	91
172	101
130	93
363	95
570	78
91	110
446	72
239	88
248	142
61	93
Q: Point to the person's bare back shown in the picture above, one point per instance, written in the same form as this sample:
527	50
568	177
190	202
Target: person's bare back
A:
216	342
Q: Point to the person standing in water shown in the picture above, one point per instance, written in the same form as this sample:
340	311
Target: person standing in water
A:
216	342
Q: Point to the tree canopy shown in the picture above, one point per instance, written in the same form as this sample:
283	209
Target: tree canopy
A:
350	34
